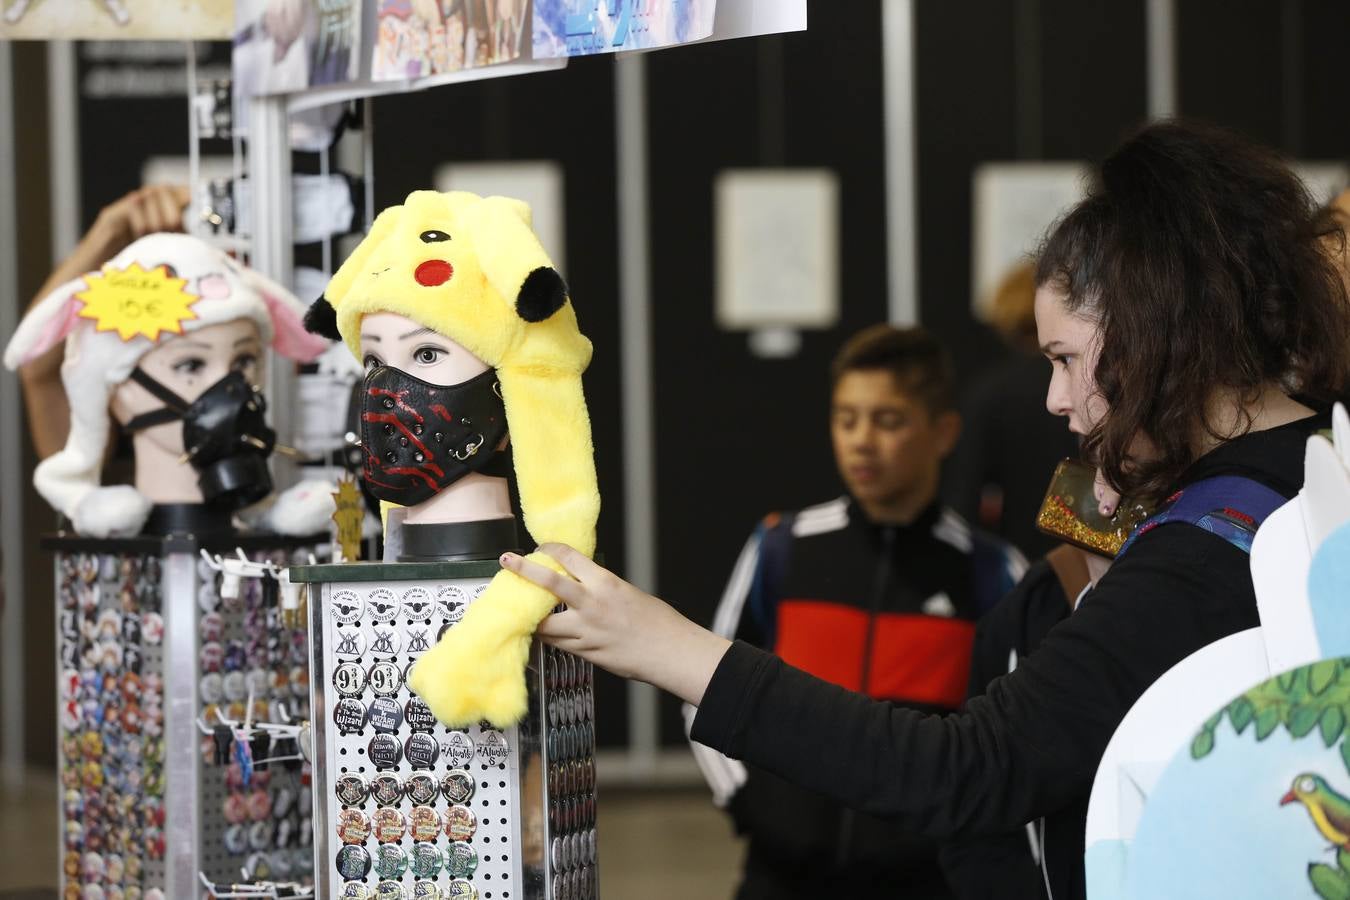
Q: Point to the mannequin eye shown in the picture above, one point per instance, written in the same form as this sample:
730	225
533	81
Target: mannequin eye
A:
190	366
244	361
427	356
434	237
371	361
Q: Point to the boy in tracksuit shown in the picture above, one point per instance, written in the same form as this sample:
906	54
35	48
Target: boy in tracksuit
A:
877	591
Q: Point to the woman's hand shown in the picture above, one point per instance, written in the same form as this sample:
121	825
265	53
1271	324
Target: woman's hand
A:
620	628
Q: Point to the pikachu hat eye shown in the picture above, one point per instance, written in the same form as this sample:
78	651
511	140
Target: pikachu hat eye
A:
434	237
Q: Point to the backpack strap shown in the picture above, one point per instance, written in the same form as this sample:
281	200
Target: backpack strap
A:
1229	506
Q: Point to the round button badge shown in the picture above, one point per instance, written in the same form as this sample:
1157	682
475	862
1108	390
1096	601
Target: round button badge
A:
461	860
458	749
351	643
353	827
457	786
386	789
421	789
352	790
421	750
417	602
385	678
390	826
390	890
385	715
426	890
385	641
459	889
427	861
384	751
347	606
349	679
390	861
460	823
452	600
383	604
493	748
418	715
355	890
425	823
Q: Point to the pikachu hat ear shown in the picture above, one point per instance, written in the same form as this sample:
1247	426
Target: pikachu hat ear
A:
512	258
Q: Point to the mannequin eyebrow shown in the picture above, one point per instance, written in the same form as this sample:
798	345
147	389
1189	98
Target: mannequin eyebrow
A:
246	340
415	333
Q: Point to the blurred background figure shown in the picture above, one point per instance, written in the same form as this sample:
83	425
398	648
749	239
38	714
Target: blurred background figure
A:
1010	444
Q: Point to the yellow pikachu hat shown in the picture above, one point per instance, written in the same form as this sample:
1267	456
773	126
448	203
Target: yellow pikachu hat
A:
471	268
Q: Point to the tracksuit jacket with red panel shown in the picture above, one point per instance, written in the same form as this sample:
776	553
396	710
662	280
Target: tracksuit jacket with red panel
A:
886	610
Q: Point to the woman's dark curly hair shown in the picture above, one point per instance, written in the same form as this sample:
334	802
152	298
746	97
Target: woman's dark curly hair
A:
1207	266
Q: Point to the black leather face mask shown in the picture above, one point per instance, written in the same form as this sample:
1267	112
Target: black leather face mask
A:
226	436
420	438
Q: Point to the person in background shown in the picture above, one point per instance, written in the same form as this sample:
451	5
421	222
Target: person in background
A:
144	211
877	591
1010	443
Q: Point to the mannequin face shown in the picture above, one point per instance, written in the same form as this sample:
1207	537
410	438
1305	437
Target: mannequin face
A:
392	340
188	365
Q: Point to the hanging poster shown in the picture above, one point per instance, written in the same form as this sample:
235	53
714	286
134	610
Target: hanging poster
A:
585	27
282	46
176	20
417	38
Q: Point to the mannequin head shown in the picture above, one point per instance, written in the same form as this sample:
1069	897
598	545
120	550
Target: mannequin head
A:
187	365
167	320
394	340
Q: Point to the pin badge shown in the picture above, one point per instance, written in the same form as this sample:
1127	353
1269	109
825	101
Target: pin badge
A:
349	714
353	862
461	860
353	827
452	600
386	789
390	861
421	750
385	679
347	606
418	715
350	644
427	861
349	679
458	749
460	823
421	789
352	790
493	748
355	890
418	603
390	826
425	823
426	890
390	890
384	751
385	641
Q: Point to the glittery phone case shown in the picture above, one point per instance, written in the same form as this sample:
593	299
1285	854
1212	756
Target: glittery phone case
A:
1069	512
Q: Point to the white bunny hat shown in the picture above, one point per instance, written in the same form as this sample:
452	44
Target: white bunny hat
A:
97	361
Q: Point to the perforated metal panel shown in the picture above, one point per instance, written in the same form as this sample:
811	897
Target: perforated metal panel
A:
144	807
365	635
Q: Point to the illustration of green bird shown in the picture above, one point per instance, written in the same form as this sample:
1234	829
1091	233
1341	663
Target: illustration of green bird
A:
1330	811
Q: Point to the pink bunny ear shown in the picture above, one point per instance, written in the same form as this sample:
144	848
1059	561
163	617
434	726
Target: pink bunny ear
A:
46	324
291	339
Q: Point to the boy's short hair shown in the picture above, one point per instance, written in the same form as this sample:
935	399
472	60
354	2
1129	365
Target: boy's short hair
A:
916	360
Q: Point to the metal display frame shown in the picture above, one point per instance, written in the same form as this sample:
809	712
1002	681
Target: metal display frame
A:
535	836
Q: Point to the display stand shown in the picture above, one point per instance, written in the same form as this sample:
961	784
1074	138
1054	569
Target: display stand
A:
403	806
155	649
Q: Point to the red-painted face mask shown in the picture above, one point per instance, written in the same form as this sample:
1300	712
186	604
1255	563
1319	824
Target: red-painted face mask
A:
419	438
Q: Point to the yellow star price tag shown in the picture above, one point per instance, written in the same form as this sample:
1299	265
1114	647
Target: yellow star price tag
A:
135	301
350	513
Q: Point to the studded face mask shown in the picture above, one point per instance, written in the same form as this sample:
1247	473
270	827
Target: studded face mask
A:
226	436
419	438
